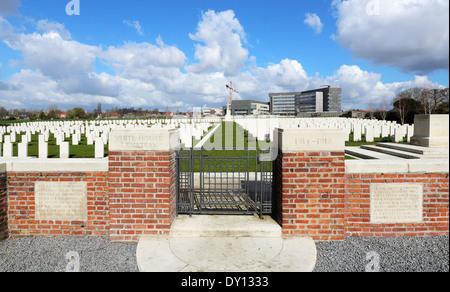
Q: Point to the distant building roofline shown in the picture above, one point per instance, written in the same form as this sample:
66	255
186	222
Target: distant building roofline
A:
300	92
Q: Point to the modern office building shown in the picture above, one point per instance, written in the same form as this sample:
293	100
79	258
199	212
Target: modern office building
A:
249	107
212	111
322	100
329	97
283	104
309	102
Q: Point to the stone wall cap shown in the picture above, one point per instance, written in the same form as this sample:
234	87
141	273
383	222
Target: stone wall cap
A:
56	165
397	166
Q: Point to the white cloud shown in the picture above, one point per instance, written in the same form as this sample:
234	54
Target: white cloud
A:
360	87
136	25
411	35
60	70
313	21
222	35
47	26
53	55
288	75
6	30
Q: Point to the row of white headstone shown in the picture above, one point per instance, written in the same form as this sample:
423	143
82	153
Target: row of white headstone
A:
97	132
262	127
43	148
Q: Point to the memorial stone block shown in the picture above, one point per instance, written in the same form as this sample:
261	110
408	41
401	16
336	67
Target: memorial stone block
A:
61	200
396	203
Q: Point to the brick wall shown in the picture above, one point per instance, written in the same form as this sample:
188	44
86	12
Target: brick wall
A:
3	207
21	201
142	193
435	205
309	194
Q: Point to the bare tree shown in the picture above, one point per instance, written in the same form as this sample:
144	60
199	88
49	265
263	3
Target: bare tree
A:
384	108
372	109
52	111
431	99
402	104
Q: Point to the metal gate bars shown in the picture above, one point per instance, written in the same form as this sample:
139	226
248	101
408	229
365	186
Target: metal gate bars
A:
224	182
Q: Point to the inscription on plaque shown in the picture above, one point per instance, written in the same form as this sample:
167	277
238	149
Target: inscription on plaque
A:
313	141
396	203
143	140
61	200
139	142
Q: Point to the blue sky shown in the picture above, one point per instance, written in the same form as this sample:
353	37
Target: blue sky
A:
181	54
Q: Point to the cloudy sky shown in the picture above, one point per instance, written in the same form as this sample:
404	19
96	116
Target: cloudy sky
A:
182	53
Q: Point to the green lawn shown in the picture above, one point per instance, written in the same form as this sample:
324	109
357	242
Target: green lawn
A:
212	158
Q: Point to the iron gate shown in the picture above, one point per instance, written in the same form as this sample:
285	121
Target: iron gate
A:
224	182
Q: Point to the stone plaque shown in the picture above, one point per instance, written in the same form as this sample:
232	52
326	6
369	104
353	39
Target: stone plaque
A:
61	201
300	140
396	203
143	140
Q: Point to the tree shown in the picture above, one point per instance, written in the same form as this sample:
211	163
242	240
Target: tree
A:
3	112
431	99
372	110
42	116
405	103
384	108
76	113
52	111
443	108
99	108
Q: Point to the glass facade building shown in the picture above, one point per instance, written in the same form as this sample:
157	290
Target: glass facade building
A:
282	104
320	100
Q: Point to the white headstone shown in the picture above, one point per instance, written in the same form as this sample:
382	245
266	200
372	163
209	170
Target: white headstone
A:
43	147
7	147
74	139
357	132
369	133
23	149
64	150
99	148
398	134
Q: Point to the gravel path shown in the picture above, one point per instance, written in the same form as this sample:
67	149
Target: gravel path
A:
396	254
406	254
37	254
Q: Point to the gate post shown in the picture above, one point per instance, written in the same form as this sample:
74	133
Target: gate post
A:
142	182
309	183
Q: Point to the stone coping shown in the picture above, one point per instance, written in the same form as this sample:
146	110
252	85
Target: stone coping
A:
397	166
101	165
53	165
